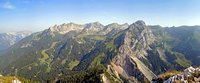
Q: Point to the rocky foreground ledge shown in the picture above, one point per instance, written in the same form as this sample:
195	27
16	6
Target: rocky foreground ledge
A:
15	79
9	79
189	75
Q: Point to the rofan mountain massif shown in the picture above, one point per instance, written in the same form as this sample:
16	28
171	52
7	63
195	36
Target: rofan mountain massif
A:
96	53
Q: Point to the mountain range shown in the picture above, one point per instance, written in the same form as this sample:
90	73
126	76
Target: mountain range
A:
94	52
10	38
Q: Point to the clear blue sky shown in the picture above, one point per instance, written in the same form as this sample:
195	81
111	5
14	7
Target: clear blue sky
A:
37	15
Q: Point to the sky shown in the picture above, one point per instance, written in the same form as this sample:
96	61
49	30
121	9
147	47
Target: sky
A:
37	15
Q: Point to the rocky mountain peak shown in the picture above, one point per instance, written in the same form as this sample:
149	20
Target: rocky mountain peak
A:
142	35
97	23
113	24
116	25
95	26
140	25
64	28
136	41
109	27
140	22
71	24
125	24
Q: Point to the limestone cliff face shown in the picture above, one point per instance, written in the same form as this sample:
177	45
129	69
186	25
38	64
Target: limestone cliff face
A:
136	41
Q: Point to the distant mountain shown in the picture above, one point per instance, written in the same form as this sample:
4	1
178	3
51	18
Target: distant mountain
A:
10	38
102	53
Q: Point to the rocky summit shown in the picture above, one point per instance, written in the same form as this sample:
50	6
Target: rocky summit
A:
113	53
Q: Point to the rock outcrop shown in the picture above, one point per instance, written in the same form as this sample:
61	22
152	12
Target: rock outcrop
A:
189	75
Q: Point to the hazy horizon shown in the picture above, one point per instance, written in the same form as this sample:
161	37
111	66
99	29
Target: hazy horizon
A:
37	15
